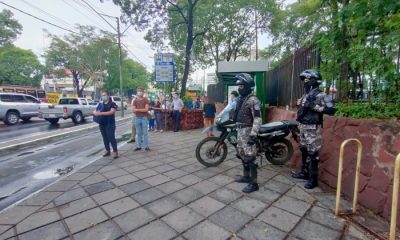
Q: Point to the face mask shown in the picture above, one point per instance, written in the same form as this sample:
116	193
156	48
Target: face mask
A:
233	99
307	86
140	94
103	98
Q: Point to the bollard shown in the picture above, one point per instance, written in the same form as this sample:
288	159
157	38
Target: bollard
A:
395	199
340	169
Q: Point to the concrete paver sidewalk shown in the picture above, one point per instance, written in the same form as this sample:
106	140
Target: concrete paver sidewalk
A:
167	194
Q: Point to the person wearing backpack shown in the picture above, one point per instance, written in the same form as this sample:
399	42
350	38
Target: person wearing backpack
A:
312	105
104	115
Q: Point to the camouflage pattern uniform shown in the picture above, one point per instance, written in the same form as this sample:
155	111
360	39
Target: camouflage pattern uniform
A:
249	122
312	106
245	129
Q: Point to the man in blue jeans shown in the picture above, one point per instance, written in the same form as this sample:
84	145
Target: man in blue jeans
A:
177	105
140	107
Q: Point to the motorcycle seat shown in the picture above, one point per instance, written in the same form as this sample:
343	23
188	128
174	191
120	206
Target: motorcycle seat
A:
274	126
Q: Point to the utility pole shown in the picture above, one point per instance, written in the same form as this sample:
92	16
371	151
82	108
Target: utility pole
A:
120	68
256	35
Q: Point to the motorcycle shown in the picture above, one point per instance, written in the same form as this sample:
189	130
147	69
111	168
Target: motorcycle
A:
271	141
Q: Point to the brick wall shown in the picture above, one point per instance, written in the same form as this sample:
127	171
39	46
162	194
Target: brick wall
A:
381	144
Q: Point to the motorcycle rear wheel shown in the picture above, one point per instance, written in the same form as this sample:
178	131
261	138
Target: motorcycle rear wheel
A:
210	152
282	151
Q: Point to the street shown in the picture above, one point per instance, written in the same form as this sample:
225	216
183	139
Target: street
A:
37	125
25	171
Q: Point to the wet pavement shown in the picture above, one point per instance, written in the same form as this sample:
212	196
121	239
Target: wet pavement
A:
167	194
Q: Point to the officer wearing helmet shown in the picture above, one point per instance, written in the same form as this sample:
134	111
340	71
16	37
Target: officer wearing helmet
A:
311	105
248	120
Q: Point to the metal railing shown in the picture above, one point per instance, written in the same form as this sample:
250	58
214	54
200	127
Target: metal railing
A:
340	170
395	199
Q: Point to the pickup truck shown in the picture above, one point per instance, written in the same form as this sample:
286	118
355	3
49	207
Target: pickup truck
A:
69	107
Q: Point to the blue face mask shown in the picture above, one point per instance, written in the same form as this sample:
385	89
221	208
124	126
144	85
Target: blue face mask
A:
103	98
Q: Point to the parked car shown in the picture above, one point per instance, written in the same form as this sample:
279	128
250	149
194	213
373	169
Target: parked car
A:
16	106
68	107
118	101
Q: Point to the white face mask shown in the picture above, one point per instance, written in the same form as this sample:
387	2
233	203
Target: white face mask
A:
140	94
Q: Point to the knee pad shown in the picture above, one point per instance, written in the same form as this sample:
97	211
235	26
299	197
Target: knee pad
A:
247	158
303	149
314	156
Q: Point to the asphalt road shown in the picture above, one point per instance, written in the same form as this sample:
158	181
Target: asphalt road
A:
27	171
37	125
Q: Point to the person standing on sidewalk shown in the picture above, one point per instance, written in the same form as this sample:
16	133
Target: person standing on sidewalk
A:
157	111
177	106
310	116
209	114
133	132
248	121
140	108
104	115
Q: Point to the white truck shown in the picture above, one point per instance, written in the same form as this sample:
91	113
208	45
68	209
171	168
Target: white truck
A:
68	107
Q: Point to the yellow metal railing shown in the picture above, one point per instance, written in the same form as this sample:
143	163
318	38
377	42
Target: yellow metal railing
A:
395	198
340	170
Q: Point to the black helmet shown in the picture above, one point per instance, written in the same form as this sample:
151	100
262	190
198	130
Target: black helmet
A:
310	74
313	75
247	81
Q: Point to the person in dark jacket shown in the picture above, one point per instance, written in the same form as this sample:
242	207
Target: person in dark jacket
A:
104	115
209	114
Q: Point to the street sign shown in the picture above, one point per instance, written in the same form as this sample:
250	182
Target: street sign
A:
164	66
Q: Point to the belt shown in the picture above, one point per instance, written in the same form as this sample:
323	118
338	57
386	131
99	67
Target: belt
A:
243	125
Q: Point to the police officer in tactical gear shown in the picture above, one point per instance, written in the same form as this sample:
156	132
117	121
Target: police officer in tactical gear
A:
248	120
311	105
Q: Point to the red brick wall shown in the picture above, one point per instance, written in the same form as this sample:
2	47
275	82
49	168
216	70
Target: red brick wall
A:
381	144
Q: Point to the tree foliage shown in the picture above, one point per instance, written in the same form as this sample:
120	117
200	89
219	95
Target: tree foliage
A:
19	67
93	57
9	28
359	42
86	55
154	14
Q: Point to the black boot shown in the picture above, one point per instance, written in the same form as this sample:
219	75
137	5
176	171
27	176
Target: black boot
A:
304	172
246	174
253	185
313	181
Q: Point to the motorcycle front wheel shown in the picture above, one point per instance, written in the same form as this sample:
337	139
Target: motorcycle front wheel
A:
281	152
211	152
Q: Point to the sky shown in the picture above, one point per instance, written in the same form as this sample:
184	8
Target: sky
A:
68	13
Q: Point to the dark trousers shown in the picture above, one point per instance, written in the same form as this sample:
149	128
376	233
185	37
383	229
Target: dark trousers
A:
177	119
108	134
158	121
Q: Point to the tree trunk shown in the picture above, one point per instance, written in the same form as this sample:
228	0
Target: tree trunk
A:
189	45
75	80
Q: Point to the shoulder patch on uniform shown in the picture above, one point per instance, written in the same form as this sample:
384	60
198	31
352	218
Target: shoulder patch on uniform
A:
257	106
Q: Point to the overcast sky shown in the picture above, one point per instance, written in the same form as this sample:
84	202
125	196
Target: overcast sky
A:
67	13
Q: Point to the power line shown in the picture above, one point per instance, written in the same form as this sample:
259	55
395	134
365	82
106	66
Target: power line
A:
49	14
55	25
140	61
83	14
100	14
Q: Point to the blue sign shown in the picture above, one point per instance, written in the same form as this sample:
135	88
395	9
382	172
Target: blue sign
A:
164	67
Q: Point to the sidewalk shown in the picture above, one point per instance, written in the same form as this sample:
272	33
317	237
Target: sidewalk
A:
167	194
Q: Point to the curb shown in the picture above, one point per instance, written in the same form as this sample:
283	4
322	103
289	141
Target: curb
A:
58	136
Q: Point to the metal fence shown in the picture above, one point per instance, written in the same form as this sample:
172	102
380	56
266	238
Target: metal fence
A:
283	85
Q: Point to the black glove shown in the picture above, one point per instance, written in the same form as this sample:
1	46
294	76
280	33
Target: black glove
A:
252	140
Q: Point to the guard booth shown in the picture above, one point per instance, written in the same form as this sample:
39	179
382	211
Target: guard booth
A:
257	69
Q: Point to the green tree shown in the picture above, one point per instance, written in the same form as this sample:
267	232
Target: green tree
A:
86	55
154	14
9	28
133	74
358	41
19	67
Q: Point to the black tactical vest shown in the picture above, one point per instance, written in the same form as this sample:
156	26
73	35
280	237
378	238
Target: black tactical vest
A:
309	116
244	114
